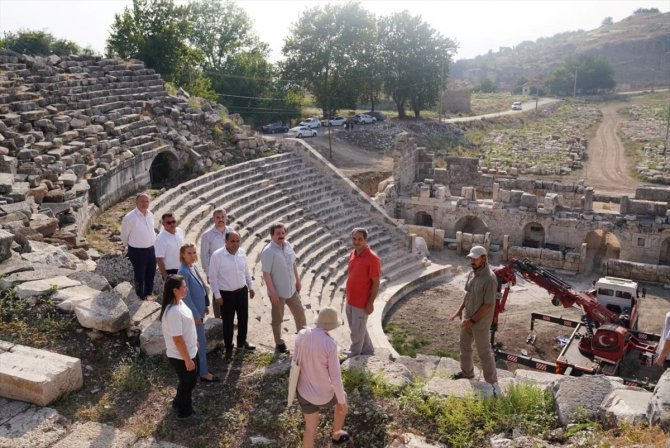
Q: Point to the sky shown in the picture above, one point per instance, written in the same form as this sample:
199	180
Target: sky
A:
477	25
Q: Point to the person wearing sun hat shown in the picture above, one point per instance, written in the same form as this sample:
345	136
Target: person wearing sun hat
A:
478	304
320	381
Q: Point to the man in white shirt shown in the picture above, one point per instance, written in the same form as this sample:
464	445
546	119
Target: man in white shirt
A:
232	286
137	233
212	240
168	243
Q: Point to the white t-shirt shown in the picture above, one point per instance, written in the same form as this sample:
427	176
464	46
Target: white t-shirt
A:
178	321
665	336
167	247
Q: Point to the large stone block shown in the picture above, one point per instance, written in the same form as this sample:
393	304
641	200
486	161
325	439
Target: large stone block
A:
105	312
40	287
68	299
658	410
96	435
393	372
6	239
37	376
625	405
26	426
582	395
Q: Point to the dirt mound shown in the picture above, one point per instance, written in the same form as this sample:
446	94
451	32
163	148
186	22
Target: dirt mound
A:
381	136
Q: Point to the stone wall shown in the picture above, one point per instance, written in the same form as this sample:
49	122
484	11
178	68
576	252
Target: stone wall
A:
405	161
637	271
564	261
434	237
461	172
640	207
656	194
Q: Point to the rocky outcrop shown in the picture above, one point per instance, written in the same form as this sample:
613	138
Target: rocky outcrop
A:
658	410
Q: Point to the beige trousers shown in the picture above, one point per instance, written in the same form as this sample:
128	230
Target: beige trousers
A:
295	305
480	335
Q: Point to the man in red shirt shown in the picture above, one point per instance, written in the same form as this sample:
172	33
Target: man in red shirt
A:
365	268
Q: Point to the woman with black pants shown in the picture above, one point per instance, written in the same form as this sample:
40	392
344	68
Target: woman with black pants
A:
181	343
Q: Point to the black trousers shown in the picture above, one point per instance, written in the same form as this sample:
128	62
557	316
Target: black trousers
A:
183	402
235	302
144	268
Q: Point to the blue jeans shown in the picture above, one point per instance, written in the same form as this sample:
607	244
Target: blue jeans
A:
202	349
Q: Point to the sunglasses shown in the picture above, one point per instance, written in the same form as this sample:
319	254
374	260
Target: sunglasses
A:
169	223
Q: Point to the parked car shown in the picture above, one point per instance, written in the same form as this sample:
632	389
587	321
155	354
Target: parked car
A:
337	120
301	132
275	128
516	105
311	122
365	119
378	115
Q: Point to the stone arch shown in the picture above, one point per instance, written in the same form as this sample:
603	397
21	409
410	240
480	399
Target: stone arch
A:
423	219
600	246
471	224
164	169
533	235
664	256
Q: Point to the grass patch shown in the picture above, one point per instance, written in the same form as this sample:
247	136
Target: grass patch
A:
469	421
402	341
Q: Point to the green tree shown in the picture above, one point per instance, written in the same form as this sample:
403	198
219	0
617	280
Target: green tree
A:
235	60
39	43
154	31
607	21
592	73
486	86
327	53
416	61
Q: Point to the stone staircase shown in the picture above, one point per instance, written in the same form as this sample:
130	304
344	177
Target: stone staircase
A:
319	217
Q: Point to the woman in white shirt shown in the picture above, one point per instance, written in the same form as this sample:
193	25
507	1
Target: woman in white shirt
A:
181	343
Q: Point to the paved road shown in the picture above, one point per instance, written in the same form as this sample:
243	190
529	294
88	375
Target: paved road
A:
525	107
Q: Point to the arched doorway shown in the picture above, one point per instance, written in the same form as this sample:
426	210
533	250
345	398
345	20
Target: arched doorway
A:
471	224
164	170
664	257
533	235
423	219
600	246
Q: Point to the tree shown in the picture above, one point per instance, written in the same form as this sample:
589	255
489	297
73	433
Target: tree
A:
156	32
416	61
39	43
607	21
639	11
487	86
328	53
235	59
592	73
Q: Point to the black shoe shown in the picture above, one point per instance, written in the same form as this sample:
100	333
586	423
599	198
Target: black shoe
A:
229	354
343	438
281	348
460	375
214	379
248	346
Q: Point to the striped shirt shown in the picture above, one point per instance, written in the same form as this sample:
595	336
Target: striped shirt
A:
320	374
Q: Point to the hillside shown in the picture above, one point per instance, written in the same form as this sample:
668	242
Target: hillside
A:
637	47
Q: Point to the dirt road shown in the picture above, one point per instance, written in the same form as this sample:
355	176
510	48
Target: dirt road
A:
350	159
607	170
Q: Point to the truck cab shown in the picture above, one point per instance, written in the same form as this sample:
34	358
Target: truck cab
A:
619	296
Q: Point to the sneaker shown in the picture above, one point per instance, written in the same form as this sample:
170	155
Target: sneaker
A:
281	348
460	375
497	391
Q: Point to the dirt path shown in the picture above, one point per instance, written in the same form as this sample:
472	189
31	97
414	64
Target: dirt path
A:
607	169
350	159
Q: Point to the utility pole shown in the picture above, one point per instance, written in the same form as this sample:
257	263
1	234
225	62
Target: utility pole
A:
574	86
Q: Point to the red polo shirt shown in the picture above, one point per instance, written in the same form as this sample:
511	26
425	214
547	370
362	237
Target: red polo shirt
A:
362	269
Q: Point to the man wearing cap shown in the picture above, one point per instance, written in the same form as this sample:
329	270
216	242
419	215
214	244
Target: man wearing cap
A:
320	380
138	234
478	304
364	270
168	243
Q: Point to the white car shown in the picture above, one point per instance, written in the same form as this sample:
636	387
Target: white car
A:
311	122
301	132
516	105
338	120
365	119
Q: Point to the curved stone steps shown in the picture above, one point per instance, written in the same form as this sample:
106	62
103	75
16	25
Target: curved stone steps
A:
209	183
